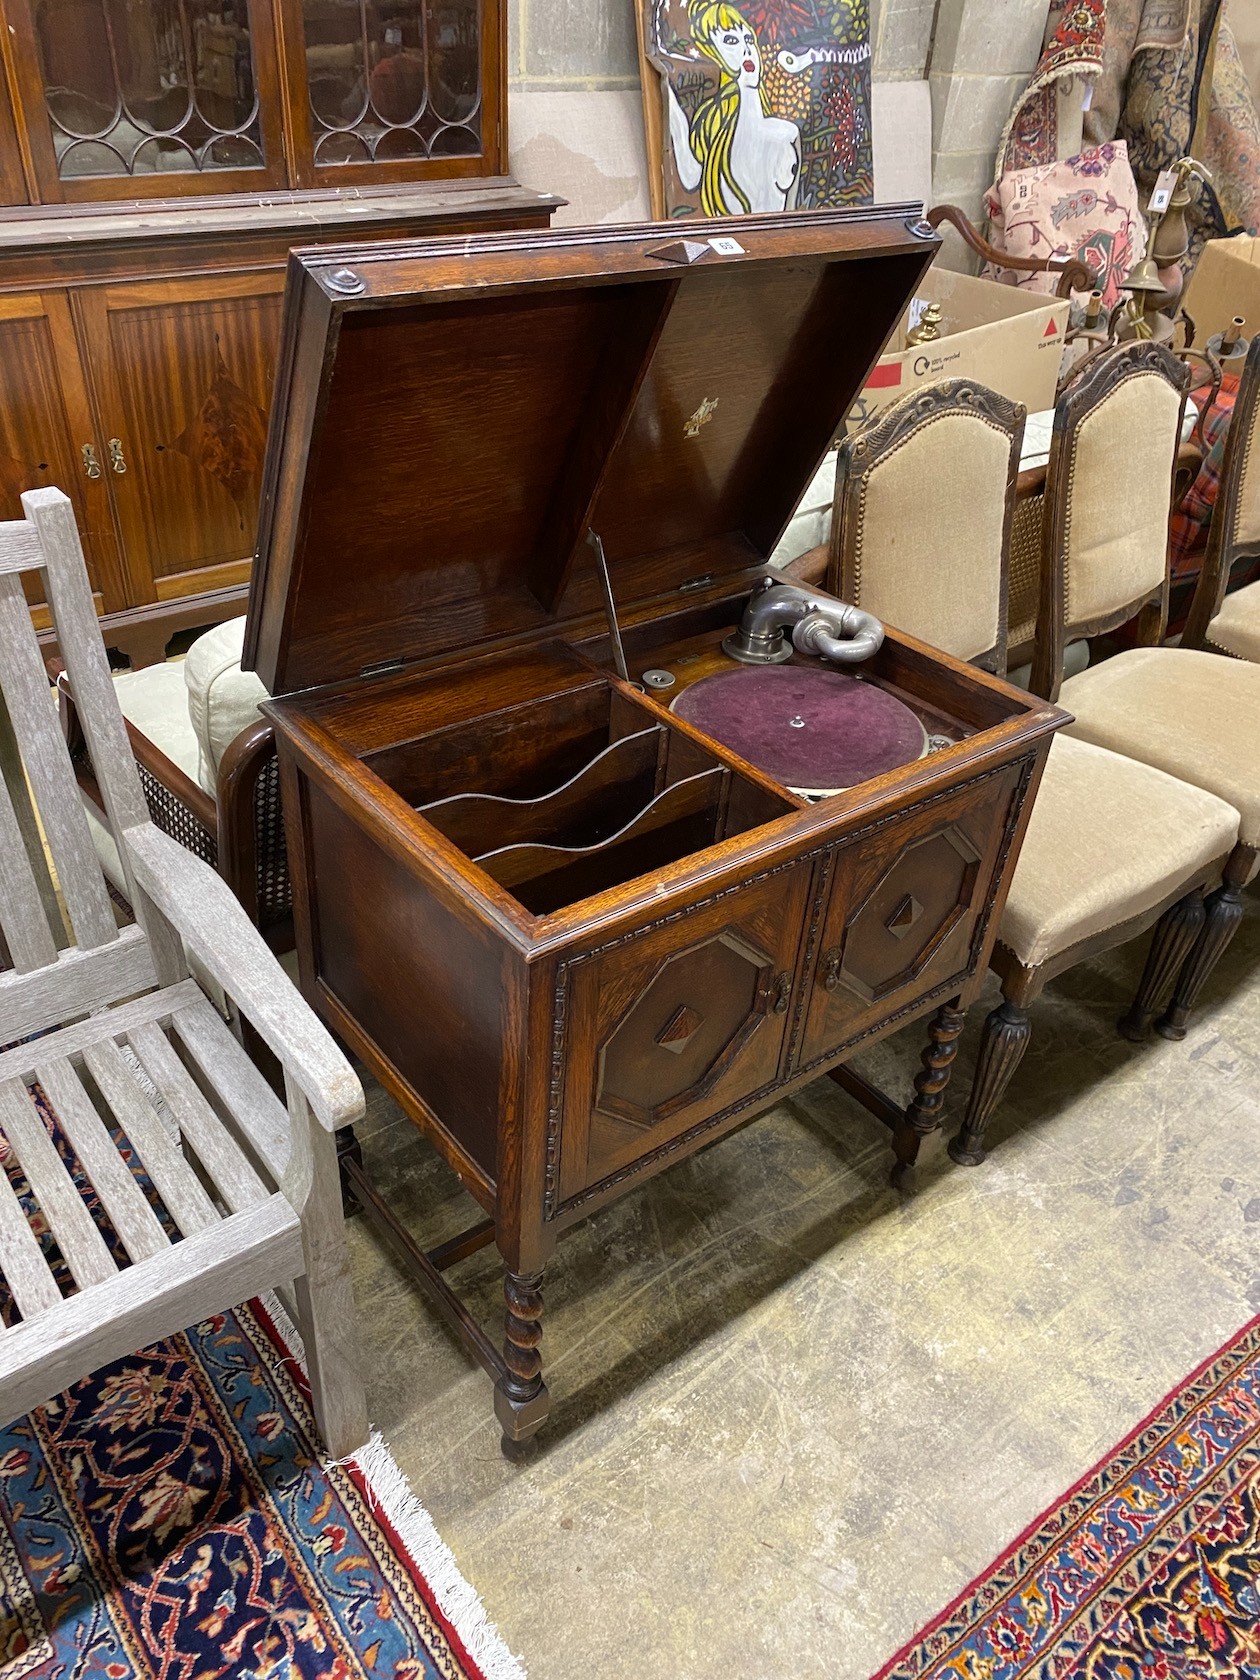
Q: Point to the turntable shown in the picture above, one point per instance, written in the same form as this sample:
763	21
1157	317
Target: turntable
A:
817	731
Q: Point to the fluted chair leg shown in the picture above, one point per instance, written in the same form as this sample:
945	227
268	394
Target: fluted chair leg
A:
1224	912
1175	936
1006	1034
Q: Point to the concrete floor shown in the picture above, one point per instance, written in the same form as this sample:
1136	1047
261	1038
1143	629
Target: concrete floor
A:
794	1412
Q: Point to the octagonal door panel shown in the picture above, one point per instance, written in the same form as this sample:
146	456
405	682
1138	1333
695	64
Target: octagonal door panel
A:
905	904
678	1024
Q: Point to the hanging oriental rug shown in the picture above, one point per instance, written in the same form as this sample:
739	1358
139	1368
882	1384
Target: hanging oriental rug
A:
170	1518
1149	1569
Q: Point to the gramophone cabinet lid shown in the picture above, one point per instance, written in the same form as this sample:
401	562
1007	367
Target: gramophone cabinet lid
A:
452	417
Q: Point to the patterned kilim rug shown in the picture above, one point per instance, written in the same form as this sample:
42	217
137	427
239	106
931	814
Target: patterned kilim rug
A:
1149	1569
170	1518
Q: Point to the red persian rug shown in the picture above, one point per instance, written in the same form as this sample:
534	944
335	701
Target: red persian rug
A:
1148	1569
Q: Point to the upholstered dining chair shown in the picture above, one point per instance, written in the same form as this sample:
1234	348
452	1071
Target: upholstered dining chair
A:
1221	622
213	1190
921	518
1112	846
1180	710
931	479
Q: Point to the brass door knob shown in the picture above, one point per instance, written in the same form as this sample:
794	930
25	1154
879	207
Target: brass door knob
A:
91	466
116	455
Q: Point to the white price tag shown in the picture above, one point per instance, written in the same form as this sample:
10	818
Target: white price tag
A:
1161	198
917	306
727	247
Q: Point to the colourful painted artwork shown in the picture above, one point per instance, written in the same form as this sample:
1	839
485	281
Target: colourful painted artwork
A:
766	106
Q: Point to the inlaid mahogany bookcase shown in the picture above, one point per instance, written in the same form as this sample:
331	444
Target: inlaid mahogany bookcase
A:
158	158
520	492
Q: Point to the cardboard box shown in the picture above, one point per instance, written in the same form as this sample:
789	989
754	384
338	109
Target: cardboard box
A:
1225	283
1000	336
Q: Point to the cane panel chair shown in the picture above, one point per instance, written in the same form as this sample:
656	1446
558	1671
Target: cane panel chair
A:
237	1192
1180	710
1218	621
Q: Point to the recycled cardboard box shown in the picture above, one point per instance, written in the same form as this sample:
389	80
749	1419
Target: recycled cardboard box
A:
1008	339
1001	336
1225	283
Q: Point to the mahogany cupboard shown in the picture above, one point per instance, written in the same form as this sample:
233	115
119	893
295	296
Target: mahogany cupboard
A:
158	158
543	733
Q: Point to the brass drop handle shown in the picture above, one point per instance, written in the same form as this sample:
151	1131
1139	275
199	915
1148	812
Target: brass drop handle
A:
91	466
782	992
830	969
116	455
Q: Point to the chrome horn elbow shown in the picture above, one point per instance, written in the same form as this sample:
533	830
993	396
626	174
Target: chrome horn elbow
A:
846	638
820	625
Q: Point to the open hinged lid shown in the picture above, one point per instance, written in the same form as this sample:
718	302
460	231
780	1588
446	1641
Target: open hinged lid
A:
452	417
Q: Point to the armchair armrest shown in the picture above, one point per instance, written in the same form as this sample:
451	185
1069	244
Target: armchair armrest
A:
200	907
1074	275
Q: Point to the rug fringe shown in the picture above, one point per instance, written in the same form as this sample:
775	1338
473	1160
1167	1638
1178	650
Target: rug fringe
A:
389	1493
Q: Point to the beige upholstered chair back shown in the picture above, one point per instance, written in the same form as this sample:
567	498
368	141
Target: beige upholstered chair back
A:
1112	484
1109	480
1235	533
923	513
1245	526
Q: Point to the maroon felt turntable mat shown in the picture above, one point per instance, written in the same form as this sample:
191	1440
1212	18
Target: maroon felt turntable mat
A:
808	728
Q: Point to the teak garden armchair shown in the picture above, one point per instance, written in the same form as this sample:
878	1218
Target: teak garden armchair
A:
251	1199
1218	621
1180	710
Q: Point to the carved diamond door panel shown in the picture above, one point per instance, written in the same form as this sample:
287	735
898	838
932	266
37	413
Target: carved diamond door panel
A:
906	902
675	1026
184	372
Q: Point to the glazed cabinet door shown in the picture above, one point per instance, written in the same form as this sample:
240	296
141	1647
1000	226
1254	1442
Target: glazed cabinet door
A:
128	99
906	901
47	436
676	1025
183	371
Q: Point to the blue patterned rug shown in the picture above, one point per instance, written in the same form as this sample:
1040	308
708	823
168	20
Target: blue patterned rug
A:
169	1518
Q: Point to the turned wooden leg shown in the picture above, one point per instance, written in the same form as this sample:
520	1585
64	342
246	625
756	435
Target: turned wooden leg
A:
1006	1035
348	1149
1224	912
521	1400
1175	934
925	1110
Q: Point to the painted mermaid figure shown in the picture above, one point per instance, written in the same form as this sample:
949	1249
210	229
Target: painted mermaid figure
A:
739	156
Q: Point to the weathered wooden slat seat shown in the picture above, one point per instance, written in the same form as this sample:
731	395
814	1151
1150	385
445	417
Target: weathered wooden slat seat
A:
174	1183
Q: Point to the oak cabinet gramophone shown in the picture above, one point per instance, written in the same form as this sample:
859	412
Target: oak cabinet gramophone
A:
603	836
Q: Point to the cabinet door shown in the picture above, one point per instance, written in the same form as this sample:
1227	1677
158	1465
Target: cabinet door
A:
128	99
906	902
45	425
183	372
411	92
676	1025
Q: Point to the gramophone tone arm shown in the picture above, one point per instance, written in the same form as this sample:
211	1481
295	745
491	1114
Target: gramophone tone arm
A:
820	625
